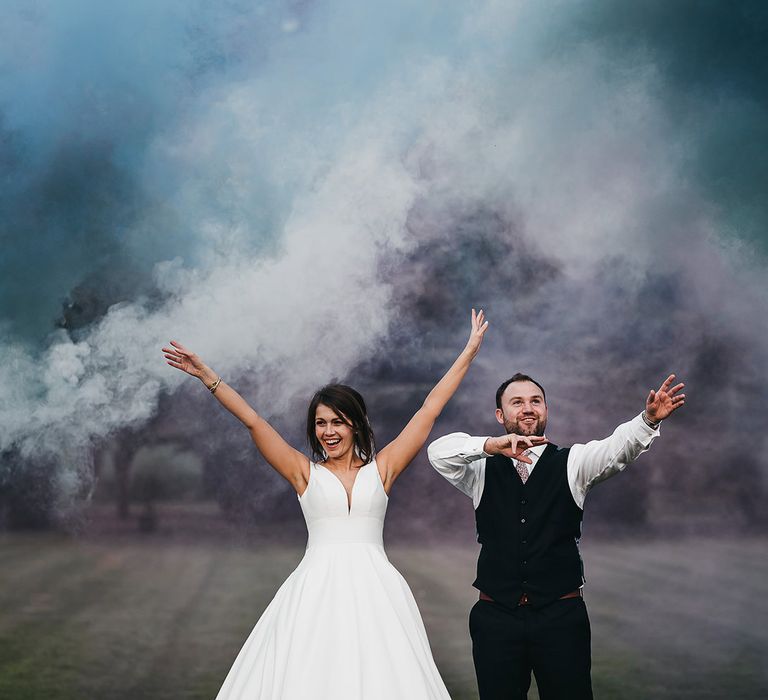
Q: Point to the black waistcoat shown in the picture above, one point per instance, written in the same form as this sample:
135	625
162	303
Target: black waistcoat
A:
529	532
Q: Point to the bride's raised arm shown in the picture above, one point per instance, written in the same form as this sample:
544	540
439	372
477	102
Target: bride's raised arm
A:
396	456
287	461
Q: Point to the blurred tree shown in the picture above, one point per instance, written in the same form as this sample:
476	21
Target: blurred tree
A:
27	492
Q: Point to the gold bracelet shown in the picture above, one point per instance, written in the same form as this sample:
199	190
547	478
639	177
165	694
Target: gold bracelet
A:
214	386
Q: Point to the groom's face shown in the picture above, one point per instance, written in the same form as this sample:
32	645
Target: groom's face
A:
523	409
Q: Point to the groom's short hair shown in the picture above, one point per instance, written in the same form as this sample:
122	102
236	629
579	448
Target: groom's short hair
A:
517	378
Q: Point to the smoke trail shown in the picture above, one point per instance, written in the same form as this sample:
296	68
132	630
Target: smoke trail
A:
301	191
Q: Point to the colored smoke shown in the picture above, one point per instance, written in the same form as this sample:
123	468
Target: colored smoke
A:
307	190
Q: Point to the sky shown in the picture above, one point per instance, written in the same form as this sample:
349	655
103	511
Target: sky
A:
305	191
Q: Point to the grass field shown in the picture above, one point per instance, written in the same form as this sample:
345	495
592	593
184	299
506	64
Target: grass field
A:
152	619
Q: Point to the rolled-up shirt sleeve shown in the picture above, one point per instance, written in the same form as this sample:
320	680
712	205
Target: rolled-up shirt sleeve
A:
460	459
597	460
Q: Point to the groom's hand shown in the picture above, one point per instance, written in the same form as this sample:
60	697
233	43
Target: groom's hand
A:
513	445
666	399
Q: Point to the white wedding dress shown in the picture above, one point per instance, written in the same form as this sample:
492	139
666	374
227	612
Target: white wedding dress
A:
344	625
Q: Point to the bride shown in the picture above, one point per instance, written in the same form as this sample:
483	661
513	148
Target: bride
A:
344	625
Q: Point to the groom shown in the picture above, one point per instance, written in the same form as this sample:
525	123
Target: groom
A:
529	496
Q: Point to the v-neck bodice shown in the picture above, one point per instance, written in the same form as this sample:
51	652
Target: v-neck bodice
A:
341	481
332	518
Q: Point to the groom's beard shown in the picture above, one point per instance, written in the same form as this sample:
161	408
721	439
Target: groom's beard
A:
536	428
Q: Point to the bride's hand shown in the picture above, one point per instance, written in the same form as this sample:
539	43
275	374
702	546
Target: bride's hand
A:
479	326
179	357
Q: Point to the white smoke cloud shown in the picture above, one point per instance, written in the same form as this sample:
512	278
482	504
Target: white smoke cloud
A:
294	188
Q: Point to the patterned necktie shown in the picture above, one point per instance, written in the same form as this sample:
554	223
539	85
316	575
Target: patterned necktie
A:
522	467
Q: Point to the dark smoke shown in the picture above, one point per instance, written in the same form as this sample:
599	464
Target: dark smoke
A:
304	192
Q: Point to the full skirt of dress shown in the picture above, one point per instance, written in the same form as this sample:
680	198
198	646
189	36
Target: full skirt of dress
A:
343	626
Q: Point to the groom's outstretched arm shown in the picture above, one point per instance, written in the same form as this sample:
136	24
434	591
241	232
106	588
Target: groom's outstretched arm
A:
598	460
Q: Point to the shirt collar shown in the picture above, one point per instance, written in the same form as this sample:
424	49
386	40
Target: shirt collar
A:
538	449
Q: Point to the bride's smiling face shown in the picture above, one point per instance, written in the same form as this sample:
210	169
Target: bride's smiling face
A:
336	436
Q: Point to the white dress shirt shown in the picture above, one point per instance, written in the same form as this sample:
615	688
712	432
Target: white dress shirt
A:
461	460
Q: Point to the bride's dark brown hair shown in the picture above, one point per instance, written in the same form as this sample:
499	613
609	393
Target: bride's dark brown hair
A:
348	405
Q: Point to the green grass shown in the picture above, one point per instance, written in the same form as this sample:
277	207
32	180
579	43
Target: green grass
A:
155	619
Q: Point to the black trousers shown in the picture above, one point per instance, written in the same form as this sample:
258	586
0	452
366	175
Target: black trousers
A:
553	642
